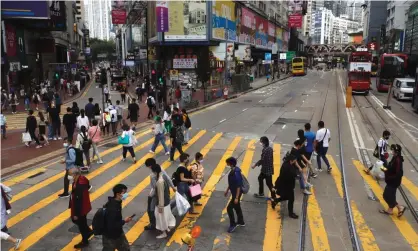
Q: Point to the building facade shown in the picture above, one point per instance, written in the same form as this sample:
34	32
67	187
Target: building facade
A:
98	18
374	22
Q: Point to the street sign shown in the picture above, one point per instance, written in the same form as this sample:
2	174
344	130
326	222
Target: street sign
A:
290	55
174	75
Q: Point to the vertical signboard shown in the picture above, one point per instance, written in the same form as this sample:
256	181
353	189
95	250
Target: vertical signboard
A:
271	35
279	38
118	16
246	26
162	16
295	21
187	20
295	6
11	46
261	32
223	20
58	15
21	50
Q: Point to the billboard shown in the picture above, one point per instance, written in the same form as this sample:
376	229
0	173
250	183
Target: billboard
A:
245	25
162	16
119	16
25	9
261	32
279	38
57	14
271	35
295	6
11	43
243	53
186	20
223	21
295	20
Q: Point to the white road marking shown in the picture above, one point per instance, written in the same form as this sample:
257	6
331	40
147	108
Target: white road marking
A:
222	120
296	110
284	126
245	109
260	101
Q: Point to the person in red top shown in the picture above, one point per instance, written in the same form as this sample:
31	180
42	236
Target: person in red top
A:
80	205
177	93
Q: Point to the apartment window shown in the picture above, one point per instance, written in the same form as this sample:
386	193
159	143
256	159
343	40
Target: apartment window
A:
388	14
393	9
262	5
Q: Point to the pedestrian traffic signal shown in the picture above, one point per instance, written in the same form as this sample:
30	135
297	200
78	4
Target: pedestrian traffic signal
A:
57	76
160	80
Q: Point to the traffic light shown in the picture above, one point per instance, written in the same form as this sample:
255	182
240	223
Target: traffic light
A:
160	80
57	75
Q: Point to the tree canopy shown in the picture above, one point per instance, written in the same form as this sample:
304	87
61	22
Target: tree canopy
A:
99	46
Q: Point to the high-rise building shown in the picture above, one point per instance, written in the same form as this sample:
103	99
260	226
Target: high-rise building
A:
98	18
373	18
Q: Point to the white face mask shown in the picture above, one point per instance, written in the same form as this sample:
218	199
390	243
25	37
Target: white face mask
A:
201	161
70	178
65	145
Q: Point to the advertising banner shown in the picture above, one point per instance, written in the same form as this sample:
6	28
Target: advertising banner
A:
246	26
162	16
271	35
261	32
184	63
119	16
187	20
21	50
57	14
295	6
11	44
244	52
279	38
25	9
295	20
218	52
223	20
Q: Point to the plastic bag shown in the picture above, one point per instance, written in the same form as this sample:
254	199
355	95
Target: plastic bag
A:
182	204
26	137
377	172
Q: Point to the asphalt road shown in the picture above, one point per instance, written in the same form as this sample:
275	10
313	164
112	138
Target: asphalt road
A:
233	128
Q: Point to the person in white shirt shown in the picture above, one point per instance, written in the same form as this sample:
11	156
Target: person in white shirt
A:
381	150
106	93
128	132
114	118
82	144
5	211
83	120
321	144
159	136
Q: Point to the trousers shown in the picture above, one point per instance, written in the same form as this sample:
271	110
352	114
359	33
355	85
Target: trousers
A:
237	208
83	227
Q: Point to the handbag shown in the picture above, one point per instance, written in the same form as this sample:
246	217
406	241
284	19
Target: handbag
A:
124	140
182	204
26	137
195	190
320	144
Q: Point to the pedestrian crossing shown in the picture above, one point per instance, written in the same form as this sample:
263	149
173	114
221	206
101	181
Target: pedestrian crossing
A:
42	220
18	120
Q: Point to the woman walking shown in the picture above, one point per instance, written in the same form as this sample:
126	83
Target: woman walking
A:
75	110
83	120
165	220
197	172
27	101
159	136
123	94
97	112
128	132
42	128
393	179
95	135
36	99
58	101
5	210
83	144
13	102
167	119
184	176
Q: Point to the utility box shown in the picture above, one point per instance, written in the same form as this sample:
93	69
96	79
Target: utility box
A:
240	82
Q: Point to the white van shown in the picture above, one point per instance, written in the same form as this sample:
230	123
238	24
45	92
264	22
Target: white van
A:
403	88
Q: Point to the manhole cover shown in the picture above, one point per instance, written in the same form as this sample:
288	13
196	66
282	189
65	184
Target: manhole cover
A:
248	100
233	101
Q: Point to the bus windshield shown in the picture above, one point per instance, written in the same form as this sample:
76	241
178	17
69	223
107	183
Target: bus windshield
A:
359	76
297	60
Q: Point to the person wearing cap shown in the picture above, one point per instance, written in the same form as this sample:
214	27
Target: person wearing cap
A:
393	179
234	186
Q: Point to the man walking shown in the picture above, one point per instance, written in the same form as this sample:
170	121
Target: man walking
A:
113	236
177	139
80	205
150	103
106	93
31	125
70	158
55	120
234	186
310	138
69	120
267	170
152	194
322	139
381	150
89	109
133	112
114	119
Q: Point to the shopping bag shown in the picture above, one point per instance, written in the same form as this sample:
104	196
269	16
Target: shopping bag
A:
195	190
26	137
124	140
182	204
377	171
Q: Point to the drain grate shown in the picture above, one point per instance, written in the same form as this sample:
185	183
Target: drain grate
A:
248	100
282	121
36	175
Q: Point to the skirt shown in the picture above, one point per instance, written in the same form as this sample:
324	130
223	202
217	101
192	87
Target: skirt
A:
167	125
165	220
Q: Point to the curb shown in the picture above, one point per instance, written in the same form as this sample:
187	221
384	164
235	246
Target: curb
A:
86	88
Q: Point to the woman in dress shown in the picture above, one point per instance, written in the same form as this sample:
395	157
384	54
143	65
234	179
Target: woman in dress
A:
165	220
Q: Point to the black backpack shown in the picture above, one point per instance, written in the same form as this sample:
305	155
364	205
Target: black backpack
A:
86	143
78	156
179	135
99	220
174	178
187	123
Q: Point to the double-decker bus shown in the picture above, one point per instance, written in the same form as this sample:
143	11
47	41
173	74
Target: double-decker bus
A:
359	71
391	66
299	66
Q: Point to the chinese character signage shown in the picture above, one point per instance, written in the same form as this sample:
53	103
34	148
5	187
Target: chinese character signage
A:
223	20
279	38
162	16
119	16
11	45
246	26
261	32
184	63
186	20
271	35
24	9
295	20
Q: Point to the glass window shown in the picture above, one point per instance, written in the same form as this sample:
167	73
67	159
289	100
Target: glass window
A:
408	84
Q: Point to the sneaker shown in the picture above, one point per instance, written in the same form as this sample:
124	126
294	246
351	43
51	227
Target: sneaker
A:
167	153
50	138
232	228
314	175
27	144
293	216
242	224
151	151
38	146
80	245
90	187
305	191
17	244
134	161
309	185
55	138
329	169
273	204
59	138
162	236
319	169
100	162
123	159
259	195
64	195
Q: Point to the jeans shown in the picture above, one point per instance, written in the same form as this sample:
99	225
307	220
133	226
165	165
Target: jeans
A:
50	131
186	134
237	207
269	183
126	149
157	139
120	244
301	180
56	131
27	104
46	105
290	197
95	151
174	146
83	227
322	153
151	211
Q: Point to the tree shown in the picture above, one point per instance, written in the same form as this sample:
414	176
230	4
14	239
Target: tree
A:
99	46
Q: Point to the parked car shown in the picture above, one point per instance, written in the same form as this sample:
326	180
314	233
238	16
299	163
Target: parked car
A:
403	88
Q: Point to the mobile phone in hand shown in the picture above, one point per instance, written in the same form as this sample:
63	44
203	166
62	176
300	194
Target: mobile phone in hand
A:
132	216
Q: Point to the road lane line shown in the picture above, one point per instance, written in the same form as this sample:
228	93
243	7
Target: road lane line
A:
410	186
222	120
245	109
53	197
316	224
60	175
20	178
142	185
284	126
366	236
274	227
402	224
135	232
189	220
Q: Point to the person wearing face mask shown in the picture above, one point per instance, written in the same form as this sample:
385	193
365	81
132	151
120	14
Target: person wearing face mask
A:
113	235
381	150
234	186
197	169
80	205
267	170
184	176
70	158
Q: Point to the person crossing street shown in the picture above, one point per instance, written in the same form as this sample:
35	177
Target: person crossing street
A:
323	137
267	170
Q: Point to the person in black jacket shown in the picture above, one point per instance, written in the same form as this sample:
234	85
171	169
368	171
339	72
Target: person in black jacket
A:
113	236
267	169
393	179
177	138
69	120
285	185
31	125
